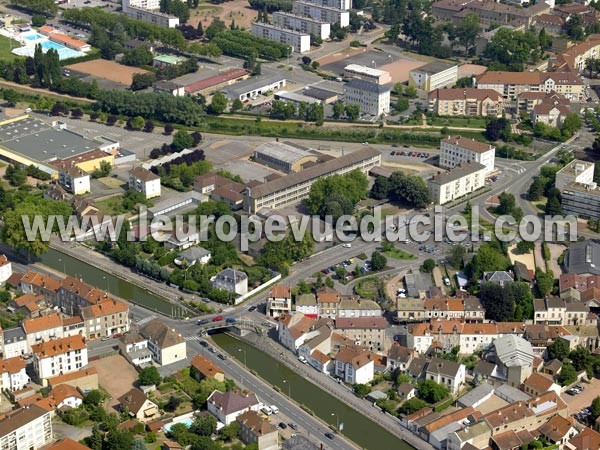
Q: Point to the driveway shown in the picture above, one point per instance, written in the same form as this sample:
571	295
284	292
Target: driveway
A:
62	430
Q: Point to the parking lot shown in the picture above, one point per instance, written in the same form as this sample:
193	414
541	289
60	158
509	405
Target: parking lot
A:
580	401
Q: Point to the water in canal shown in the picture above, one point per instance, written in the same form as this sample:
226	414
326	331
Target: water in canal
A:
105	281
357	427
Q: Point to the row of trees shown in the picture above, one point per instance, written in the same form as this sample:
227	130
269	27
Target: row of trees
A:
244	45
312	112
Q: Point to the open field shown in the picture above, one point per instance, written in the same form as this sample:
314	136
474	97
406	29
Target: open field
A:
237	10
6	46
396	253
115	385
108	70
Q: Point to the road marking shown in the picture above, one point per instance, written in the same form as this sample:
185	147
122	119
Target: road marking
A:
191	338
146	319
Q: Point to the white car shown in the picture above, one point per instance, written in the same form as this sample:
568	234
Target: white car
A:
447	281
347	245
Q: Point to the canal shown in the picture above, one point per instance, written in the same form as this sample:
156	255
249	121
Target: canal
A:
105	281
357	427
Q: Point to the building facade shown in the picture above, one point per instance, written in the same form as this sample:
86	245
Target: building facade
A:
28	428
324	13
367	74
303	24
458	182
299	41
144	182
433	76
59	357
466	102
457	150
372	98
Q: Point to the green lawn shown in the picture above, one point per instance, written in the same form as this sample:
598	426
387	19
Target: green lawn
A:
396	253
6	45
469	122
111	206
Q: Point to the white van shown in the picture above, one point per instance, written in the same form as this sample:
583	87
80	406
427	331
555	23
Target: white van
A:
267	410
274	409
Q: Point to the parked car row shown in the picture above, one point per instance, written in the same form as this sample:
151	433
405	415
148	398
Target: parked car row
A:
411	154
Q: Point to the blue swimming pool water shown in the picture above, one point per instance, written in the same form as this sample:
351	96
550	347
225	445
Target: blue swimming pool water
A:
186	422
33	37
63	52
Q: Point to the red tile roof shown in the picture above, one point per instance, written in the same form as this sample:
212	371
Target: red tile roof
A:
223	77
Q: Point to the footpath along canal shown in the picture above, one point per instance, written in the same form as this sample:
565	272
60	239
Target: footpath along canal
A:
356	426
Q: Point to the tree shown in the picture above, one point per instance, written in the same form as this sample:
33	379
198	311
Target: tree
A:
378	261
237	105
182	140
567	374
574	28
136	123
507	203
11	96
218	103
58	109
498	128
16	176
596	408
94	397
544	281
402	104
412	406
409	190
169	129
536	190
173	403
559	349
205	425
380	188
498	301
137	57
432	392
38	20
338	109
428	265
361	389
467	31
230	432
216	27
148	126
525	246
457	253
352	112
103	170
149	376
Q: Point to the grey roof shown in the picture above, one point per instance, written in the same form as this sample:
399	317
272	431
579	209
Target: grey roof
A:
160	334
460	171
232	401
521	272
474	430
577	307
416	366
433	68
443	367
318	93
166	85
511	394
417	281
475	396
282	151
194	253
251	84
14	335
369	86
376	395
316	171
441	434
306	300
405	388
39	141
231	275
500	276
178	201
484	368
513	351
298	442
583	257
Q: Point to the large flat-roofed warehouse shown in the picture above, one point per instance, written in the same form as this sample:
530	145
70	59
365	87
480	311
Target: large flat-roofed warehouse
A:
295	187
284	156
27	141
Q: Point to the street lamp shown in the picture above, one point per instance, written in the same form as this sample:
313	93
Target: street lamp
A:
243	350
289	385
64	265
337	418
107	283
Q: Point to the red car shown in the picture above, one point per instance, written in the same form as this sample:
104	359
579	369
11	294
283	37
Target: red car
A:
217	319
117	335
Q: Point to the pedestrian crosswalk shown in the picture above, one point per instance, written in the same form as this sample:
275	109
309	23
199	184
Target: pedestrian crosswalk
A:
145	320
192	338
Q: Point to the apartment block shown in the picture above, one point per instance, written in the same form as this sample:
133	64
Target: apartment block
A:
145	182
512	84
303	24
28	428
458	182
154	17
457	150
73	179
581	201
577	171
372	98
433	76
338	4
5	269
367	74
299	41
466	102
59	357
324	13
279	301
106	318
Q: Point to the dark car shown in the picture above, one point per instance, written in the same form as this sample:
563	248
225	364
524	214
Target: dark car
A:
394	145
203	322
230	320
217	319
282	425
252	308
393	153
222	356
203	343
293	426
329	435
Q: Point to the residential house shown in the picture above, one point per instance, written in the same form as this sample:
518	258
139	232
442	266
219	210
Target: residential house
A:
67	444
447	373
106	318
202	367
166	344
354	365
558	430
59	357
542	336
512	439
139	406
134	347
406	391
476	436
256	430
316	349
13	376
279	301
228	406
193	255
551	113
354	306
501	277
5	269
14	342
328	301
28	305
307	305
294	330
538	384
400	357
145	182
43	329
367	332
61	397
231	280
585	440
27	428
39	284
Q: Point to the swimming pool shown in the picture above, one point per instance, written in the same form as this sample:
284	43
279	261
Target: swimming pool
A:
186	422
63	52
34	37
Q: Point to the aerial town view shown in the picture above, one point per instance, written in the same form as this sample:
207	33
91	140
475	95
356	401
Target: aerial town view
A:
299	224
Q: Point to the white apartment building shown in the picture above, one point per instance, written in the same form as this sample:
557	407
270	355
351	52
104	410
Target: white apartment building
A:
433	76
145	182
367	74
28	428
577	171
338	4
43	328
279	301
447	373
166	344
5	269
73	179
373	98
458	182
457	150
324	13
354	365
308	25
13	376
149	11
300	42
59	357
357	307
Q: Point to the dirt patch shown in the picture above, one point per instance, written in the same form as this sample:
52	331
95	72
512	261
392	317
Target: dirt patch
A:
399	70
526	258
109	70
238	11
393	284
539	258
116	386
468	70
555	251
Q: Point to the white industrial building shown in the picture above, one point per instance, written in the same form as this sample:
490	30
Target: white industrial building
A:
458	182
373	98
577	171
367	74
300	42
315	27
325	13
457	150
